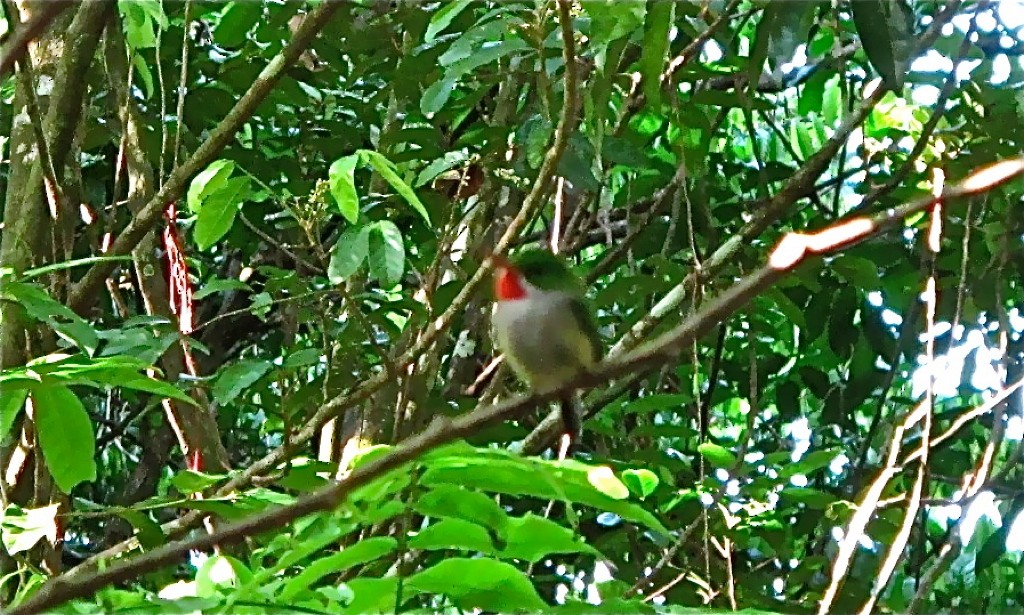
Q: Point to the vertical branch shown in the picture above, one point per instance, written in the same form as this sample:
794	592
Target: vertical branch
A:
179	111
197	432
895	551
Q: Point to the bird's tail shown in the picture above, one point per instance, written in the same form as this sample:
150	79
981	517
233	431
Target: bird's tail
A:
571	425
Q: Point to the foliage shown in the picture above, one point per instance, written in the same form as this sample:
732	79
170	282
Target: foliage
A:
334	243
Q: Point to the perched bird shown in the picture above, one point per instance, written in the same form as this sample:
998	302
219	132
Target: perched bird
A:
543	325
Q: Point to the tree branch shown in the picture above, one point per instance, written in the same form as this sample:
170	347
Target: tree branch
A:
336	405
792	250
87	288
16	44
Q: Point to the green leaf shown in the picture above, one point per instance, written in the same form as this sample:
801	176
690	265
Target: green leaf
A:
657	402
21	529
487	53
767	27
138	23
503	472
238	19
140	382
65	435
69	264
220	571
438	166
237	377
443	18
387	253
383	166
480	584
455	502
348	254
148	532
809	464
642	482
376	595
218	212
362	552
474	38
145	74
209	180
303	358
534	135
812	498
613	19
62	319
605	481
219	286
532	538
654	50
577	163
342	181
718	456
859	271
11	403
190	481
885	28
993	549
436	96
315	538
812	96
115	371
453	534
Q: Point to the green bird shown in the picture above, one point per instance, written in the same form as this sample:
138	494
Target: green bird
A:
543	325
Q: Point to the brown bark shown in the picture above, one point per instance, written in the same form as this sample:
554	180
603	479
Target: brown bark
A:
37	219
194	426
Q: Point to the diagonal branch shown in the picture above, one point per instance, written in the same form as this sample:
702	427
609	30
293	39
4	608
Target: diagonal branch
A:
17	43
793	250
798	186
335	406
87	288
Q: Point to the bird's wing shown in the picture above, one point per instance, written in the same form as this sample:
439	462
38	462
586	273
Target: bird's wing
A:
585	316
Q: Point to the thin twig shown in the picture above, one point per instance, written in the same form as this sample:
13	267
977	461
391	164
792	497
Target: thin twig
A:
336	405
179	112
894	553
146	218
792	250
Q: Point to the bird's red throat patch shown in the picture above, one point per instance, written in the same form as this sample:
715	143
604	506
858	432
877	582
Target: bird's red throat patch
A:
508	284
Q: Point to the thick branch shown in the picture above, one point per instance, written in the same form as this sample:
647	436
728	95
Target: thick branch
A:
335	406
16	44
793	250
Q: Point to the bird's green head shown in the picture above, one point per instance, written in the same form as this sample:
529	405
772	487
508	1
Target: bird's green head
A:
539	268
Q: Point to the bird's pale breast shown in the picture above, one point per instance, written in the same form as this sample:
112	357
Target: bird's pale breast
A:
541	339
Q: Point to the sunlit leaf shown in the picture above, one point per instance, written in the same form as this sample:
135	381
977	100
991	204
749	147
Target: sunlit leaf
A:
383	166
237	377
444	16
218	212
342	181
605	481
480	584
21	529
212	178
66	436
719	456
386	252
643	482
349	253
